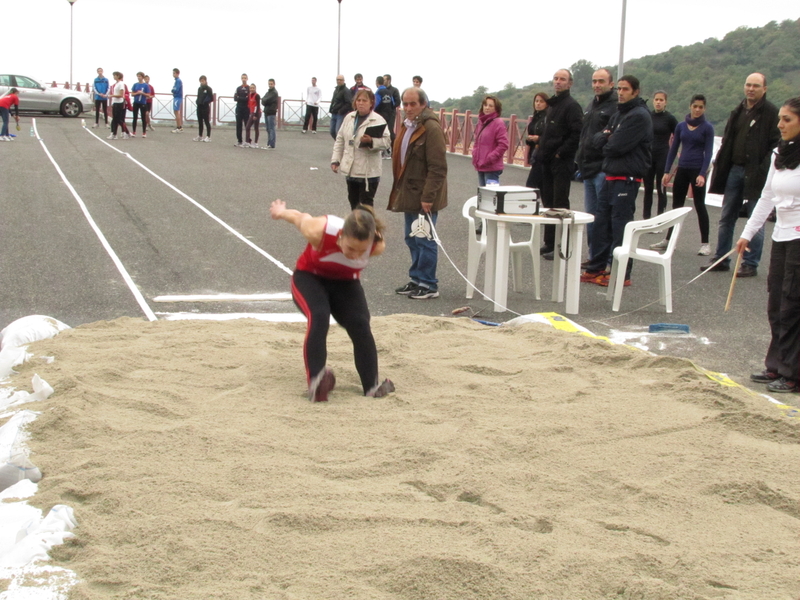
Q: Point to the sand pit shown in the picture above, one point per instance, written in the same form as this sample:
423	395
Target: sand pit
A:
512	463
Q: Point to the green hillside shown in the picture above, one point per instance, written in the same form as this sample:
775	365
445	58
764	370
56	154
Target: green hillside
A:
716	68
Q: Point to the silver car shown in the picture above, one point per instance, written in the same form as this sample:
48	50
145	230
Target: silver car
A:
36	97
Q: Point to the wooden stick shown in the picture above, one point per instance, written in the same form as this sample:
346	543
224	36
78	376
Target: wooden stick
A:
733	281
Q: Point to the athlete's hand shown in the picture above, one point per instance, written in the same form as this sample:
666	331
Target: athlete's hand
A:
276	209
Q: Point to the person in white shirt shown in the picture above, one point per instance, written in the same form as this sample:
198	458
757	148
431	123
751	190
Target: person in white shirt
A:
782	193
313	94
117	107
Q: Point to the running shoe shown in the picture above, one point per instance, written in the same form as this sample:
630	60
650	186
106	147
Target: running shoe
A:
381	389
590	276
207	139
321	386
766	376
603	281
422	293
197	138
783	385
407	288
111	137
705	250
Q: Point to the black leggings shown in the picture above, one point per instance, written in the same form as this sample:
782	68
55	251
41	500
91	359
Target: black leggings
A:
252	121
318	298
139	109
656	174
203	112
357	192
118	117
683	179
97	105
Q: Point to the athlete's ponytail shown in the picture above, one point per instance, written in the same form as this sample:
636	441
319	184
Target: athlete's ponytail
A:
362	224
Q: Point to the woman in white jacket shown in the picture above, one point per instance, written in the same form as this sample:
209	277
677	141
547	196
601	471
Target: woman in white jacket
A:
357	150
782	192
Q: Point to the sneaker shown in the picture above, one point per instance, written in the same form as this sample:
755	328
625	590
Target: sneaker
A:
95	126
126	136
766	376
197	138
304	132
422	293
144	136
111	137
207	138
3	138
662	245
177	130
590	276
545	250
407	288
315	133
238	145
705	250
133	135
254	146
321	386
549	255
783	385
108	126
381	389
246	145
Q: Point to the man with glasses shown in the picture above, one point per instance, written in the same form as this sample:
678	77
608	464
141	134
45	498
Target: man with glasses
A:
740	170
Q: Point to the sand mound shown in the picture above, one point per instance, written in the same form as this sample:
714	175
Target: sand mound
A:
511	463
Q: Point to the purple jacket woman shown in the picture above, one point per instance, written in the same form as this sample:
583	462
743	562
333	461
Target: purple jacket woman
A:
491	142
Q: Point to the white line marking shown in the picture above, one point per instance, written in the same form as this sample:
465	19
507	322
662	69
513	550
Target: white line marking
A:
131	285
273	317
200	206
224	297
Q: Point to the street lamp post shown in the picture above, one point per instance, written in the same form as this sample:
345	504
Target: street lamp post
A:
71	4
622	42
339	45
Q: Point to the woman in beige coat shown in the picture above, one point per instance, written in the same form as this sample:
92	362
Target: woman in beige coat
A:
357	150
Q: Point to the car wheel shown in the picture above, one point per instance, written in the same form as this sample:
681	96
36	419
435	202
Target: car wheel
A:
71	107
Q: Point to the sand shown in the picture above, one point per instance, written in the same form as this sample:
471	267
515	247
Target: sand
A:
511	463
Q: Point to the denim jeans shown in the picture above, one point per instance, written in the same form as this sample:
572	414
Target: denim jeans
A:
616	206
424	255
484	176
4	115
336	123
269	120
731	205
591	192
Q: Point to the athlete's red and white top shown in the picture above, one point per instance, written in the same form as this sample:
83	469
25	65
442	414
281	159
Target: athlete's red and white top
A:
329	261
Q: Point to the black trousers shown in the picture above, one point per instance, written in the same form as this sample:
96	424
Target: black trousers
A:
311	115
319	298
656	174
242	114
361	191
139	109
203	114
783	309
683	179
98	104
118	117
556	179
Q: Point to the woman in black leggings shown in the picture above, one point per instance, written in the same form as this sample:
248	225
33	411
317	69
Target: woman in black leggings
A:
326	282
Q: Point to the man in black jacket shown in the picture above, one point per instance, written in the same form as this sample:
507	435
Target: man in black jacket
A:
270	104
625	145
590	160
740	170
557	148
241	96
341	104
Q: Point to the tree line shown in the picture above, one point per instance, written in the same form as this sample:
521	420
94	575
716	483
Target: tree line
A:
715	68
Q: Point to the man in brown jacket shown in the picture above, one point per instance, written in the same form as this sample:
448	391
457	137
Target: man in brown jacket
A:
419	165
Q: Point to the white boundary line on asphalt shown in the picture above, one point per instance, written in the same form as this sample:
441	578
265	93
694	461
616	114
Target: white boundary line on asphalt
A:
120	267
262	252
279	296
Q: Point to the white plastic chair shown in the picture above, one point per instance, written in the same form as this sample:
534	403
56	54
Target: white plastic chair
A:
629	250
476	247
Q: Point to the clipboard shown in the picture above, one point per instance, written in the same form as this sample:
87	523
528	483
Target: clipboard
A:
376	131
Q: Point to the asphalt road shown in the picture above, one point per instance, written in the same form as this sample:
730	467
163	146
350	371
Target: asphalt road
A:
54	264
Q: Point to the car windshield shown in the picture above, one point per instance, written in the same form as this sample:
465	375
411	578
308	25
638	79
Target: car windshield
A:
5	80
27	82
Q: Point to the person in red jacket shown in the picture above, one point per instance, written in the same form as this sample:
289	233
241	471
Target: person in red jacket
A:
6	102
326	283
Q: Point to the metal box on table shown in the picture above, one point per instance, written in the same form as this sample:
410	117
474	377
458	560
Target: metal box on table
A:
509	200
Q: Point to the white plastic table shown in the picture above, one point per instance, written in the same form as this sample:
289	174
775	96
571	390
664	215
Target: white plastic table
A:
564	271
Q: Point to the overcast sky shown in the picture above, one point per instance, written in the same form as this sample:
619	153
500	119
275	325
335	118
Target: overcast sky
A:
454	48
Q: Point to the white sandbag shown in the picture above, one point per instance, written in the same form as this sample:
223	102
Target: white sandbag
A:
32	328
41	391
35	539
14	462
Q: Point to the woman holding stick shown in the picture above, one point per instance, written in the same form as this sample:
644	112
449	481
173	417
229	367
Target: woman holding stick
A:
782	193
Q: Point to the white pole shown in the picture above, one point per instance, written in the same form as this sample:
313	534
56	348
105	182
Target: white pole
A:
622	42
339	44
